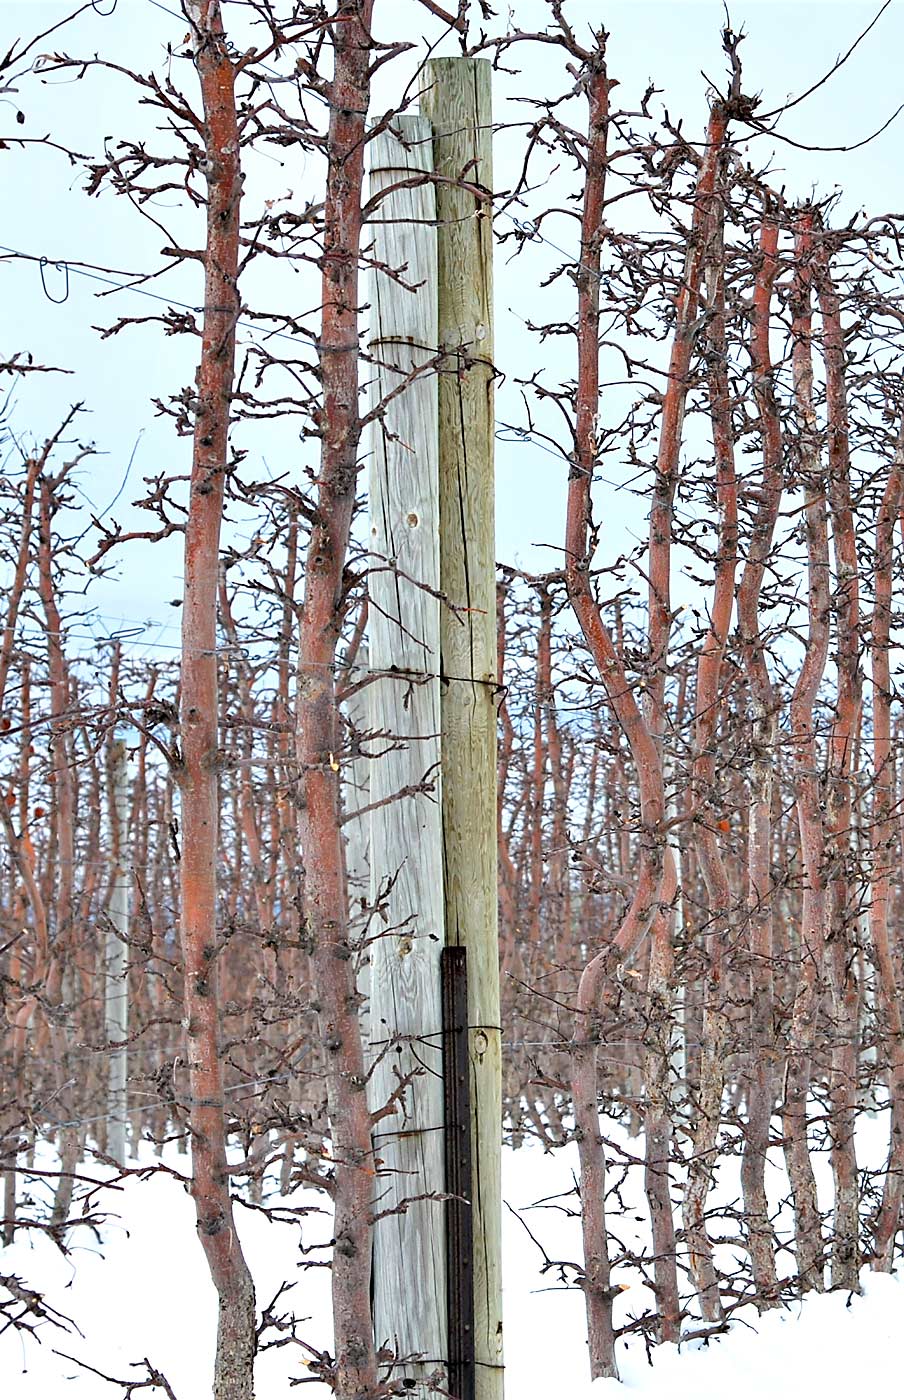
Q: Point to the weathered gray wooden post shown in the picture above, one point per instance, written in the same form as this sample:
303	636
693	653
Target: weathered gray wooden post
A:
406	835
355	797
437	1268
456	96
116	978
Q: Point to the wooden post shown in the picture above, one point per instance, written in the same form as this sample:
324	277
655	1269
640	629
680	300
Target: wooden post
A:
355	796
116	981
406	836
456	98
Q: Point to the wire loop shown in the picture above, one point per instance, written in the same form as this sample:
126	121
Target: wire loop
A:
528	228
60	267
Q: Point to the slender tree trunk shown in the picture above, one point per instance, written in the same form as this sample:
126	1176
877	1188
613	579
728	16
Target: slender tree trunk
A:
807	784
760	894
658	1125
318	731
116	958
25	1010
885	858
721	921
598	988
60	895
840	947
236	1341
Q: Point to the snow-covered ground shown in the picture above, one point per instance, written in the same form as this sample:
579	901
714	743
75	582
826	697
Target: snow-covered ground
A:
146	1294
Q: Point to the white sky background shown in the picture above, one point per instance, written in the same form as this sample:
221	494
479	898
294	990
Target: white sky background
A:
45	211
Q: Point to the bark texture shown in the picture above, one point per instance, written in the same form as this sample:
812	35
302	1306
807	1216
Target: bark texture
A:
199	710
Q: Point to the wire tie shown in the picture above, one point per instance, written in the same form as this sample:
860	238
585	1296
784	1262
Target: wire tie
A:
60	266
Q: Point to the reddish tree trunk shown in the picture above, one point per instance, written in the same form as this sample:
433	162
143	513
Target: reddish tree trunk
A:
598	987
233	1378
807	785
319	734
60	980
760	895
719	925
885	859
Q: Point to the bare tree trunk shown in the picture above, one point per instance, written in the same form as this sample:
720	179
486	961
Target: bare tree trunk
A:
236	1341
598	989
808	791
116	975
840	947
764	728
721	920
59	981
658	1126
318	721
885	862
655	883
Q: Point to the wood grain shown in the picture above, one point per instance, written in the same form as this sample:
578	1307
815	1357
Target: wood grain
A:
456	98
406	835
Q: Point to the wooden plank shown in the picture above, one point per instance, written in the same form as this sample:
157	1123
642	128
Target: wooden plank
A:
456	98
356	795
406	838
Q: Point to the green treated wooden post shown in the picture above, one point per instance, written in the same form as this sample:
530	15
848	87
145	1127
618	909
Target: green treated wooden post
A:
456	98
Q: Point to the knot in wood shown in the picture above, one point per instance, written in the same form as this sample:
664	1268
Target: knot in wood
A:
211	1224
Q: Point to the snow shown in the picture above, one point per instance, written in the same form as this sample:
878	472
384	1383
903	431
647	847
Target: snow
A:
145	1293
825	1346
828	1346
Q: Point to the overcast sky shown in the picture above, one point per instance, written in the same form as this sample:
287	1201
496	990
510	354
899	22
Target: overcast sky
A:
46	212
